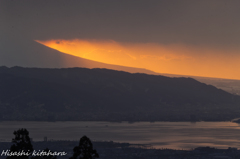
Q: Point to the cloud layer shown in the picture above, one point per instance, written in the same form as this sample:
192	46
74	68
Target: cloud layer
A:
182	37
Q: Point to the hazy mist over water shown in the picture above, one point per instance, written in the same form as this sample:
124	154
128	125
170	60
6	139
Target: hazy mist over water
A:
174	135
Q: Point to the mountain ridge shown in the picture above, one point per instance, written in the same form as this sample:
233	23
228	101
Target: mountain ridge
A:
103	94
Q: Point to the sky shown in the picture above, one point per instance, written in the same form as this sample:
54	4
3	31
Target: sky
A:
188	37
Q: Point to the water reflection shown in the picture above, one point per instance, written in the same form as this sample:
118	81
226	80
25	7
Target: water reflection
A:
175	135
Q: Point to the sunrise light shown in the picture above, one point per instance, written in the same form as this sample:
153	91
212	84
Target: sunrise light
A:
173	59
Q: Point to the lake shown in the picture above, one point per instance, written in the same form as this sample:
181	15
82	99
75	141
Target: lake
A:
174	135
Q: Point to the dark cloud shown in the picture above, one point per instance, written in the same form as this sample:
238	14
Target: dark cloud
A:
204	22
191	23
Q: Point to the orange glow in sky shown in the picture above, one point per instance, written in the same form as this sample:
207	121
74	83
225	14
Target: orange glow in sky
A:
172	59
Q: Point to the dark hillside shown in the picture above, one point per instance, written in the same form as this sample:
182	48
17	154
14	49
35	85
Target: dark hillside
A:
99	94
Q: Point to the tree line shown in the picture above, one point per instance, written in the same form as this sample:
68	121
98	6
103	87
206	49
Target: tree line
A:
22	148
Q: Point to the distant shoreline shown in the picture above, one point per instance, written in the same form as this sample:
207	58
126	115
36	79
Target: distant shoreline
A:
111	149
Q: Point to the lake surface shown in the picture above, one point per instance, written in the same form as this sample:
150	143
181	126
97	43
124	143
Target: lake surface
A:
174	135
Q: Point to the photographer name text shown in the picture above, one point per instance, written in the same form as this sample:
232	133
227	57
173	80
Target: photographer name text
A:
34	153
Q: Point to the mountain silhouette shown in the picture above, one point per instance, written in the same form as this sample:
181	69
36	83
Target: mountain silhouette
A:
33	54
103	94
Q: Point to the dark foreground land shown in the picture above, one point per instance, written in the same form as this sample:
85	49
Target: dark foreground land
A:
111	150
80	94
